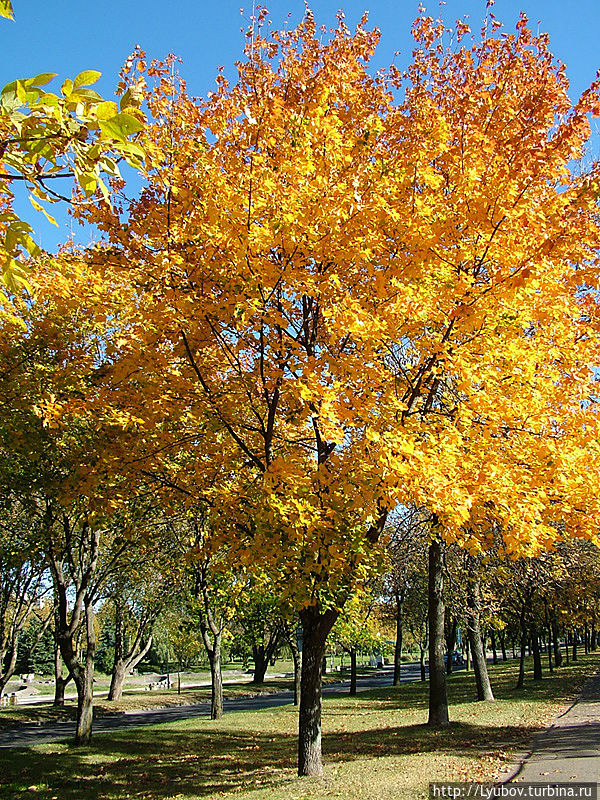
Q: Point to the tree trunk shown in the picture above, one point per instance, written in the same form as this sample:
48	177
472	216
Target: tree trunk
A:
315	628
467	654
261	663
521	679
493	643
8	662
216	679
482	680
438	700
84	681
60	683
450	642
537	658
353	671
556	644
398	647
117	680
115	691
503	645
575	645
422	663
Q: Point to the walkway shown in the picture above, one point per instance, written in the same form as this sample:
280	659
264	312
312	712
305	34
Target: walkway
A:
568	751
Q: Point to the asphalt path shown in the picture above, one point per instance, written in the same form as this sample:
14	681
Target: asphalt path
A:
569	750
39	733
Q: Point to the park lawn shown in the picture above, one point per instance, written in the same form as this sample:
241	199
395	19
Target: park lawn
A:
375	746
134	700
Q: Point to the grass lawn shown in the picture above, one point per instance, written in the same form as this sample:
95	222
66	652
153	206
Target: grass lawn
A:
12	716
376	746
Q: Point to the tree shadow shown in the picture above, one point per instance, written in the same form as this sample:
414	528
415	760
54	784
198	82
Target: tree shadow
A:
162	763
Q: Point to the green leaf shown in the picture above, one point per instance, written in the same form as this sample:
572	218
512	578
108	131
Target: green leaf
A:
41	80
6	9
128	123
67	87
87	94
86	78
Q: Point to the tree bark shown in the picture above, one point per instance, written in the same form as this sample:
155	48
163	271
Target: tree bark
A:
60	683
315	629
450	642
556	644
482	680
422	663
399	636
438	700
521	678
574	657
503	645
353	671
216	679
261	662
84	681
537	658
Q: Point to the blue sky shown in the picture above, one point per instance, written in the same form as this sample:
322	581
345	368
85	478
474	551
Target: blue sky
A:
68	36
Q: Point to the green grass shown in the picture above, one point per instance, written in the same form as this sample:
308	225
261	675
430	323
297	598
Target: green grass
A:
375	746
16	716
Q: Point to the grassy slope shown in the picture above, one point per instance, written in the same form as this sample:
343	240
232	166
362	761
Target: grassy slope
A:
376	746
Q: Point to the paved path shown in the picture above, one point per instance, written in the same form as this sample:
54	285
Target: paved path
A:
31	734
568	751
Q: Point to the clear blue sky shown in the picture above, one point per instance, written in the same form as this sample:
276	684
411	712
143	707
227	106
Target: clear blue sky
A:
68	36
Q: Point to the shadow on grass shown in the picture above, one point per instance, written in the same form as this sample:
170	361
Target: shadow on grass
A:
161	763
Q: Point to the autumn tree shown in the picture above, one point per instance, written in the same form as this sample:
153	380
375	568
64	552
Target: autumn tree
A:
357	291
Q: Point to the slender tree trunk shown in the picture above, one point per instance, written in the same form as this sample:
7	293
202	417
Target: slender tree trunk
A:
586	638
353	671
125	662
398	646
593	635
575	644
503	645
216	679
315	627
438	700
521	679
115	691
493	643
422	663
556	644
84	681
537	658
482	680
450	642
467	654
